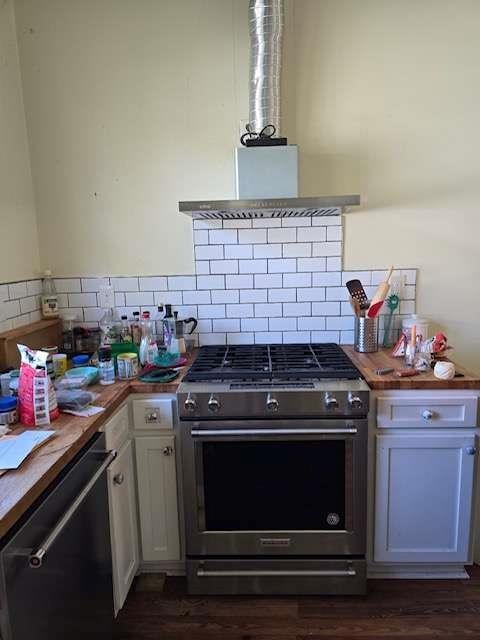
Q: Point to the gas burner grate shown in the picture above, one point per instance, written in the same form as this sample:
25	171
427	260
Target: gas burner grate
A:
271	362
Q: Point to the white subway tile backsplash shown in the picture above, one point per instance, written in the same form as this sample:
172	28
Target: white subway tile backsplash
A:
253	266
239	310
410	276
30	304
236	251
282	235
344	323
207	224
296	309
62	299
34	288
365	277
72	311
311	294
204	326
282	265
296	249
168	297
327	279
327	221
4	292
407	307
337	293
93	314
124	284
297	279
253	295
62	285
237	224
200	236
326	308
220	296
225	325
9	309
211	282
239	282
224	266
409	292
181	283
202	267
240	338
119	300
254	324
296	222
311	264
282	324
267	250
282	295
212	338
93	285
211	311
266	223
197	297
267	281
138	298
334	264
19	321
316	234
35	316
273	310
325	336
224	236
209	252
268	337
347	337
313	323
327	248
290	337
153	284
334	234
82	299
252	236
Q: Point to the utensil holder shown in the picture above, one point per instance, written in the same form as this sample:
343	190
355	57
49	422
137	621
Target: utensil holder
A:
366	335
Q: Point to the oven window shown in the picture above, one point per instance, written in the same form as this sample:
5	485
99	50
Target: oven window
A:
281	485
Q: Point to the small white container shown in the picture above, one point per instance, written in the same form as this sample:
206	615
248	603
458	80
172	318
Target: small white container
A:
422	325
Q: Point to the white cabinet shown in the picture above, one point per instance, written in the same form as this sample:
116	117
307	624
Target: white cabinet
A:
157	495
423	499
406	409
123	523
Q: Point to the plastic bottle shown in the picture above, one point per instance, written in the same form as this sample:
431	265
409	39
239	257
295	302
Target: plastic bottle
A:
159	323
148	344
168	326
125	331
49	297
136	329
105	366
110	327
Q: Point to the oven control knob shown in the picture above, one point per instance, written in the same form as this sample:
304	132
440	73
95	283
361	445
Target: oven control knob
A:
190	404
272	403
355	401
213	404
330	401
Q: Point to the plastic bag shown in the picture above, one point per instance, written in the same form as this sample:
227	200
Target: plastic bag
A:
74	400
36	396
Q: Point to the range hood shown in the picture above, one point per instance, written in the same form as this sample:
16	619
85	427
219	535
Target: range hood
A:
267	176
268	207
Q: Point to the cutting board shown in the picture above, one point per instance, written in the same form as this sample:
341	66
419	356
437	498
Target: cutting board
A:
44	333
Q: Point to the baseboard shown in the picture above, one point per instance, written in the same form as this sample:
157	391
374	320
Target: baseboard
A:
170	567
417	572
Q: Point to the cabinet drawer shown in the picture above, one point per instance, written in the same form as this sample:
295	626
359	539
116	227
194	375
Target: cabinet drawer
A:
425	410
116	429
153	413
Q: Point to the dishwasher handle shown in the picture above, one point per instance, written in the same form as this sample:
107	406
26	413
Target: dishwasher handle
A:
36	557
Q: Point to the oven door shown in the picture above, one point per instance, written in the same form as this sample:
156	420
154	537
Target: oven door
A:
275	487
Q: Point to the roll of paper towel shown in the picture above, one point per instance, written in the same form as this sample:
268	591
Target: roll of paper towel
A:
444	370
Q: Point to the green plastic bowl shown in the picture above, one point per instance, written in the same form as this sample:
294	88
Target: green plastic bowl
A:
90	373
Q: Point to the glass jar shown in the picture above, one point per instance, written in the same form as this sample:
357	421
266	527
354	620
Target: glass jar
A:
106	366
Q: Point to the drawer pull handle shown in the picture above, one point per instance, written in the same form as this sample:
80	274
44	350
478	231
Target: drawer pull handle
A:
427	415
168	451
151	417
471	451
118	478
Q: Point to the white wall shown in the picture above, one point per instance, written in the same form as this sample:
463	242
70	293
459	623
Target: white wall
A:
19	251
139	103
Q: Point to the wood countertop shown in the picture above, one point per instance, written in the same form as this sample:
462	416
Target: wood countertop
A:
20	488
367	363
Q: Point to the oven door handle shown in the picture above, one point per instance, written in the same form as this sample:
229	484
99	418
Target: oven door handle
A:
259	573
198	433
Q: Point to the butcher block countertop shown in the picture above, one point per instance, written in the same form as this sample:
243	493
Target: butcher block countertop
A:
367	363
21	487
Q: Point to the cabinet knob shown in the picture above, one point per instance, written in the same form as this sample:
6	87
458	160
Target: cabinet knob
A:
427	415
118	478
167	451
471	451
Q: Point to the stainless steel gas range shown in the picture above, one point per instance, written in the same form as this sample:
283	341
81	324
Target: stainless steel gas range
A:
274	446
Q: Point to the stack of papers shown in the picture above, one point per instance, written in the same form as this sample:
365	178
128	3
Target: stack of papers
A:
14	449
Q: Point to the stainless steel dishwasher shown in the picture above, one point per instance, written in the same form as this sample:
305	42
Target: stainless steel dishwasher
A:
56	567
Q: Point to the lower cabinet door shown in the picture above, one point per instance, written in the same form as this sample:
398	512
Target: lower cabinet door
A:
157	495
123	523
423	500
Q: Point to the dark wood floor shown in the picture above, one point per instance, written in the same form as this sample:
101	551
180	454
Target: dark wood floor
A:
415	609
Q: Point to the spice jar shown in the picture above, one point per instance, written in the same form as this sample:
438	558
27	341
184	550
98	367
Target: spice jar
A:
106	366
8	410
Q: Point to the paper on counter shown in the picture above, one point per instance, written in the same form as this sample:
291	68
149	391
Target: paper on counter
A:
85	413
14	449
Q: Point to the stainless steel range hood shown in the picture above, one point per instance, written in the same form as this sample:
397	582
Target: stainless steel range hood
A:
268	207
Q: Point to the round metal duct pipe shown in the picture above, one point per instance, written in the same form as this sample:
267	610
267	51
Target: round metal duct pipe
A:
266	19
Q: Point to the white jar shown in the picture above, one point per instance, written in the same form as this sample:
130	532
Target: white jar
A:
422	325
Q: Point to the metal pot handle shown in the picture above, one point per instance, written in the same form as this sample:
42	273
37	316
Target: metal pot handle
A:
193	321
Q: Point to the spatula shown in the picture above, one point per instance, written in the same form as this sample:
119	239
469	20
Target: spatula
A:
357	292
379	297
